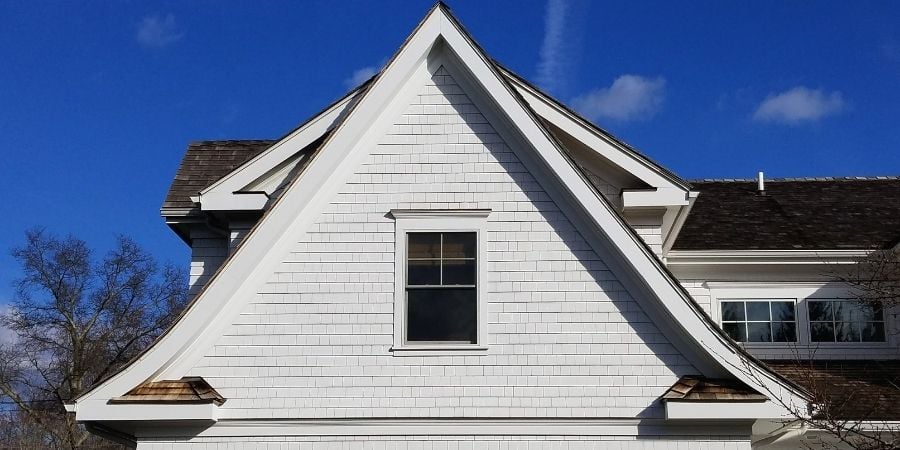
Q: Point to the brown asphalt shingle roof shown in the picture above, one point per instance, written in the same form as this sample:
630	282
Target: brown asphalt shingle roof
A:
793	214
852	389
204	163
185	390
701	389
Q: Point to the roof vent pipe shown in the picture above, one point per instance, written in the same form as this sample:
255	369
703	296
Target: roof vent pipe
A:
762	182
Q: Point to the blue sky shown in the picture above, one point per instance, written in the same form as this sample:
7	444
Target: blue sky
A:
99	99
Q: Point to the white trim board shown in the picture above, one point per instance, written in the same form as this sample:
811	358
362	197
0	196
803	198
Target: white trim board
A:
343	151
457	427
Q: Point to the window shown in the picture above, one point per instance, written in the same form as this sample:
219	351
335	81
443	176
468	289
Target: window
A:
441	294
845	321
760	320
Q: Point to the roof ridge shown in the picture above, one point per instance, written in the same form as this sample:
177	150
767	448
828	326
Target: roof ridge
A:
795	179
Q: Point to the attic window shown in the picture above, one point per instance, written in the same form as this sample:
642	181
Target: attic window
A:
440	300
441	296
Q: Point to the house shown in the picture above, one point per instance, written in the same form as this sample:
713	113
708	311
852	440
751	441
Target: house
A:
448	258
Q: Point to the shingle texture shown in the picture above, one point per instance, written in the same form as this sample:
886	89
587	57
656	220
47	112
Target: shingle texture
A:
852	389
185	390
700	389
802	214
204	163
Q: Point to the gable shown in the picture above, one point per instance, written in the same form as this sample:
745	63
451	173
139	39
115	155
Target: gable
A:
292	218
556	311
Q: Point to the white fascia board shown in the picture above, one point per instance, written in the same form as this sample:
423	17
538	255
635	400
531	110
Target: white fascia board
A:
216	196
233	201
96	411
295	211
693	410
764	257
641	198
609	149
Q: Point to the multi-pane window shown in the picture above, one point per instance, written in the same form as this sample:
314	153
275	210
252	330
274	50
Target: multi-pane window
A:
845	321
441	295
760	320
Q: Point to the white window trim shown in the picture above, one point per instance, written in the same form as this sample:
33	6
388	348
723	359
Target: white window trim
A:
800	292
448	221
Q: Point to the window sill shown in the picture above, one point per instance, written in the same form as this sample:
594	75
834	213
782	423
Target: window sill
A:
438	350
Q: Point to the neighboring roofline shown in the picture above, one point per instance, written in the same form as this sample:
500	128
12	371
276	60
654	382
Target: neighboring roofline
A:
220	293
631	151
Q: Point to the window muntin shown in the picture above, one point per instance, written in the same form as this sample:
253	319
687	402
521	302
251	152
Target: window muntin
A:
760	320
441	291
844	320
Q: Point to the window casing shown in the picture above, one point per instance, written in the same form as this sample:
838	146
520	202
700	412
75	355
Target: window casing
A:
760	320
440	296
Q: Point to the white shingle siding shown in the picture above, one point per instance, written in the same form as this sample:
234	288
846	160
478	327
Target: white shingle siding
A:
566	340
208	251
457	443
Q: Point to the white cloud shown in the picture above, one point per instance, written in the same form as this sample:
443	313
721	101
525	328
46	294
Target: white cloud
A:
158	31
550	68
630	97
799	105
360	76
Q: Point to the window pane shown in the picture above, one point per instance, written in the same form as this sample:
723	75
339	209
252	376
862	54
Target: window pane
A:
758	311
424	245
820	310
732	311
459	271
424	271
784	332
869	313
821	331
759	332
873	332
845	311
459	245
441	315
736	331
783	311
847	332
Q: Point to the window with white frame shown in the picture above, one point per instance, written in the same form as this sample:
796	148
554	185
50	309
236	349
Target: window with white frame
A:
844	320
747	320
441	276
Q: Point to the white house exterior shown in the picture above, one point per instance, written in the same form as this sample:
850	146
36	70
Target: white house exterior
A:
447	258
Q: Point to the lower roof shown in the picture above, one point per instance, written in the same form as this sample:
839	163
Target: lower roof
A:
850	389
793	214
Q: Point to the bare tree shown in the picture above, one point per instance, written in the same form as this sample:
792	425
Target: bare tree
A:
875	278
77	319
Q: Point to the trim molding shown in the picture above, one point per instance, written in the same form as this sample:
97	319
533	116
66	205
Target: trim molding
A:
457	427
699	257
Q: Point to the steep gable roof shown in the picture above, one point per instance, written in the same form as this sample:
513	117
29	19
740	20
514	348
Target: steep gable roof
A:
293	214
793	214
